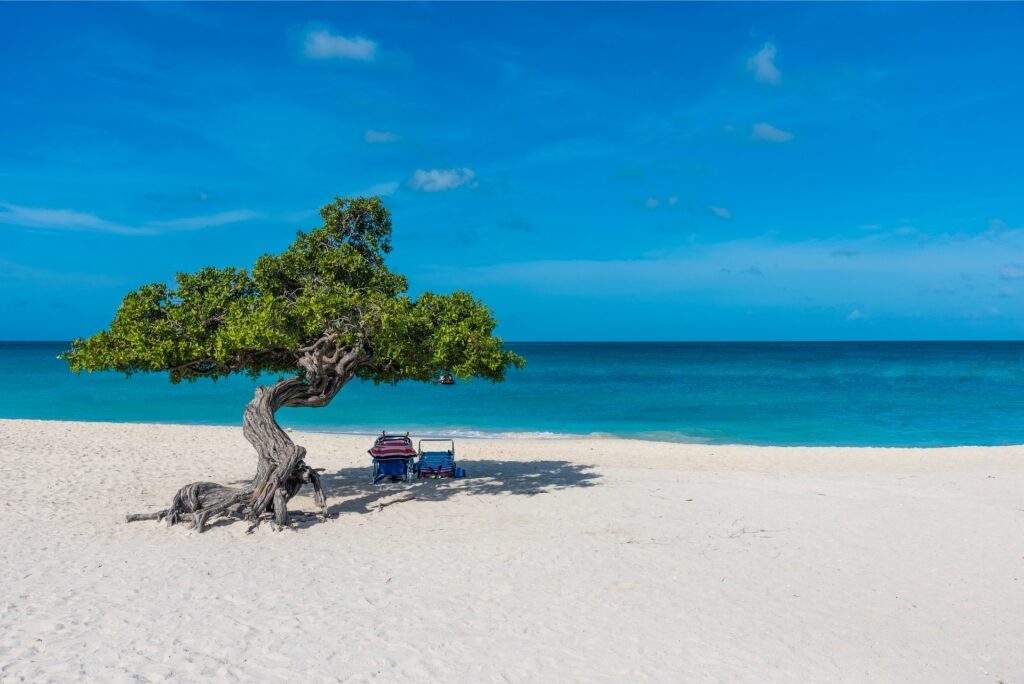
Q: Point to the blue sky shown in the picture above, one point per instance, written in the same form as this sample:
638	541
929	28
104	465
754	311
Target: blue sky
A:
592	171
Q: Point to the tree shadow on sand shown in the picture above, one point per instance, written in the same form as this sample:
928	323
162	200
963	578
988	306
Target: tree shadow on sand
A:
484	478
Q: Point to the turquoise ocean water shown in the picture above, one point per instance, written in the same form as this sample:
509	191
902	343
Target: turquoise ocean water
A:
865	394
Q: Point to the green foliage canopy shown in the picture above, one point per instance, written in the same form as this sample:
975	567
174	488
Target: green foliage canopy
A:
332	281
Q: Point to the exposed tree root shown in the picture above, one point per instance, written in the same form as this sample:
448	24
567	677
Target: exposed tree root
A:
200	502
280	469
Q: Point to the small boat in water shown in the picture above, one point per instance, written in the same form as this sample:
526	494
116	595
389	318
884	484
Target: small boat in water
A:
445	379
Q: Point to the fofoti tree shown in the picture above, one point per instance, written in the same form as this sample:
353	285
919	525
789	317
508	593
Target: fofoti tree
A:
323	312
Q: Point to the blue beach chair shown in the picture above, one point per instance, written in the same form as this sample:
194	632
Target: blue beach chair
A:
393	458
437	462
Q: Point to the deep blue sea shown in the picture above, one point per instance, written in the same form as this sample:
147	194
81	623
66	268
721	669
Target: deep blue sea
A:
786	393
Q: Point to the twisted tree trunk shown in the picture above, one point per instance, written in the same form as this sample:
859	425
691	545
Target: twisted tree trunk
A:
280	468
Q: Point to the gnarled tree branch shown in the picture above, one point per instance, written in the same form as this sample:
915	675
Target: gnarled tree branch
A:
281	470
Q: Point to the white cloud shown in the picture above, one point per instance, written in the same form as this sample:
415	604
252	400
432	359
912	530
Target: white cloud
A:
382	189
721	212
437	180
653	202
322	44
67	219
855	315
762	64
371	136
765	131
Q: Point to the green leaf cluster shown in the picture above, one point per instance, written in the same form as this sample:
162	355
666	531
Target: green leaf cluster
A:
331	280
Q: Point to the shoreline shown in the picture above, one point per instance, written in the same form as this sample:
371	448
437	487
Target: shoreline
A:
554	560
484	435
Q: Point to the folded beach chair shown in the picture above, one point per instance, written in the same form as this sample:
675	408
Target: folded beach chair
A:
438	462
393	457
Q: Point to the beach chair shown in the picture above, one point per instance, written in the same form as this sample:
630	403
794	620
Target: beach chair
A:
393	457
438	462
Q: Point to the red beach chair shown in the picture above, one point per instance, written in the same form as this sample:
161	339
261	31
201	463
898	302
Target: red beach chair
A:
393	457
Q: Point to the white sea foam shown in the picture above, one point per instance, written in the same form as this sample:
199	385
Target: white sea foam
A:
461	433
466	433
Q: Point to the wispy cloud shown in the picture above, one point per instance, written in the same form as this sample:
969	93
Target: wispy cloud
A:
68	219
62	219
382	189
766	131
371	136
200	222
12	270
762	64
721	212
855	315
437	180
891	275
323	44
655	202
1012	272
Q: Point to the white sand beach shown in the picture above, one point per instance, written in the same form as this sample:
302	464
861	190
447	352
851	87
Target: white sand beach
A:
554	561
